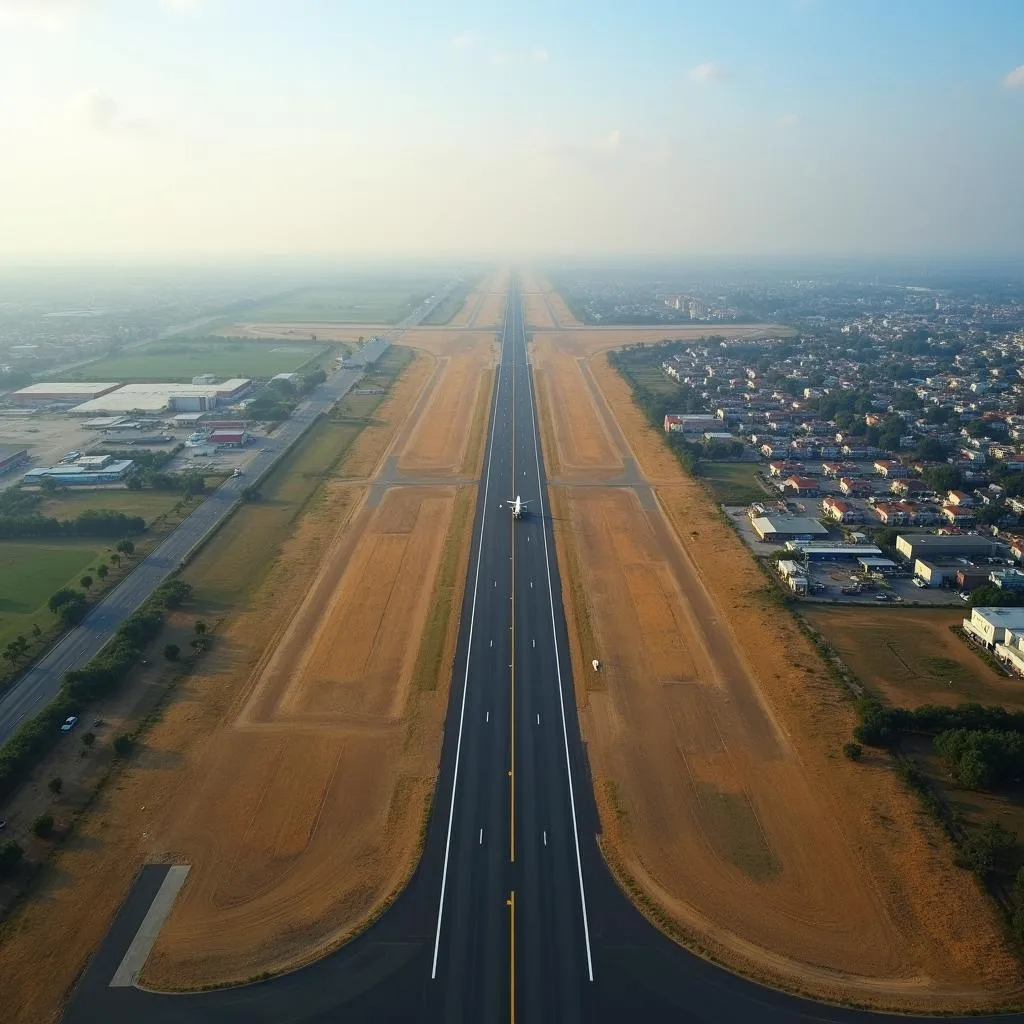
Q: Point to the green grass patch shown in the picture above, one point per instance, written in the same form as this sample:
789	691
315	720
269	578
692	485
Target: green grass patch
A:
447	588
31	571
733	483
652	377
148	504
361	302
182	358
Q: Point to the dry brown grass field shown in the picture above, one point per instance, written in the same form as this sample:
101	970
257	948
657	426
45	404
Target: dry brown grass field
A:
912	656
293	776
714	731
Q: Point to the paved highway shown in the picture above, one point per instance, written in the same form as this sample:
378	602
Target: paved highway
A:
40	684
511	914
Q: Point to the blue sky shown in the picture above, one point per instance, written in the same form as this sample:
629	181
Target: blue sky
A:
315	126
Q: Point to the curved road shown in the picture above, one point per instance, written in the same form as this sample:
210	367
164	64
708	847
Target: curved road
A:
511	913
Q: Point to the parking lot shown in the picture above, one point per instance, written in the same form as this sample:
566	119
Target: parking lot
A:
893	588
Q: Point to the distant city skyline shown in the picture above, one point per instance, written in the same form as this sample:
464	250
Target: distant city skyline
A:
171	129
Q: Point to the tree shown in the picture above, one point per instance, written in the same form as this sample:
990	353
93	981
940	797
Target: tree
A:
126	547
123	744
983	849
16	649
56	784
853	751
89	738
10	857
43	825
134	482
86	581
102	571
171	652
36	631
200	628
62	597
115	559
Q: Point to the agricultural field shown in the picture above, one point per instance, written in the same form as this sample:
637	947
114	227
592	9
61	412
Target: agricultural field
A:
649	375
733	483
452	304
181	359
367	302
32	570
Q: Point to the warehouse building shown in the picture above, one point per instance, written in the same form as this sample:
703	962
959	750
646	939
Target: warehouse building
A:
77	475
813	551
69	393
228	438
154	399
778	529
930	545
992	626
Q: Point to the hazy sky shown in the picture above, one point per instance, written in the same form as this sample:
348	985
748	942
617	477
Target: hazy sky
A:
343	127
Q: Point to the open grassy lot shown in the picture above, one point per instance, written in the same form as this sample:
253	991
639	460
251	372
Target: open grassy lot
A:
30	571
910	656
181	359
148	504
733	483
649	374
361	302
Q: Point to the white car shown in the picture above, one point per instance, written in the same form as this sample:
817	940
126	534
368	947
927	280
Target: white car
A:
69	723
918	582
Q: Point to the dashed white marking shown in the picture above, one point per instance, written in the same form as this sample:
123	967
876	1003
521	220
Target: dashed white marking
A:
545	838
480	841
538	719
487	716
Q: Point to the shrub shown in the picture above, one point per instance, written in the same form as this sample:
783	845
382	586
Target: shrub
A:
10	857
123	745
43	825
89	739
56	784
171	652
853	751
983	849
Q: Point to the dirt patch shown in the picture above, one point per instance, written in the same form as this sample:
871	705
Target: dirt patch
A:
439	444
303	331
714	740
912	656
583	446
538	312
490	311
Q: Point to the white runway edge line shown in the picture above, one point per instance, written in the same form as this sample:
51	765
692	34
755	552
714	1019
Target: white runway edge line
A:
558	672
469	644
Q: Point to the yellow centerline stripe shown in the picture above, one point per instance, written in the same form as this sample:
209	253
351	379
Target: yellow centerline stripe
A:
511	901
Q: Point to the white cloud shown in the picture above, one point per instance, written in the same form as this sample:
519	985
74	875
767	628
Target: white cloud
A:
540	55
1015	79
788	120
52	15
466	40
101	113
707	72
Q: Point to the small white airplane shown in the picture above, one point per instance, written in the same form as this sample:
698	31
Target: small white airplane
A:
518	507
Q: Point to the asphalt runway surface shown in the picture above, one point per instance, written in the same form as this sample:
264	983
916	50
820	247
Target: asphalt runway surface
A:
511	913
40	684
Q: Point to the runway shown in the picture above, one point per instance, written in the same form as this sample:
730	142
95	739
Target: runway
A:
511	914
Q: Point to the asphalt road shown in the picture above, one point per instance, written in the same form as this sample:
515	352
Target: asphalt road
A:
78	646
511	914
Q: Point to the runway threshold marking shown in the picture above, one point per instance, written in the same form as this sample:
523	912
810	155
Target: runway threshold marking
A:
138	951
465	678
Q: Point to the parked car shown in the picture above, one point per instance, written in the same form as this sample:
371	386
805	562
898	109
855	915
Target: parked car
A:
964	596
883	597
918	582
69	723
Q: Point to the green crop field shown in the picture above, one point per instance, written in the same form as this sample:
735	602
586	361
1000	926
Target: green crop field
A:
181	359
651	376
30	571
359	303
